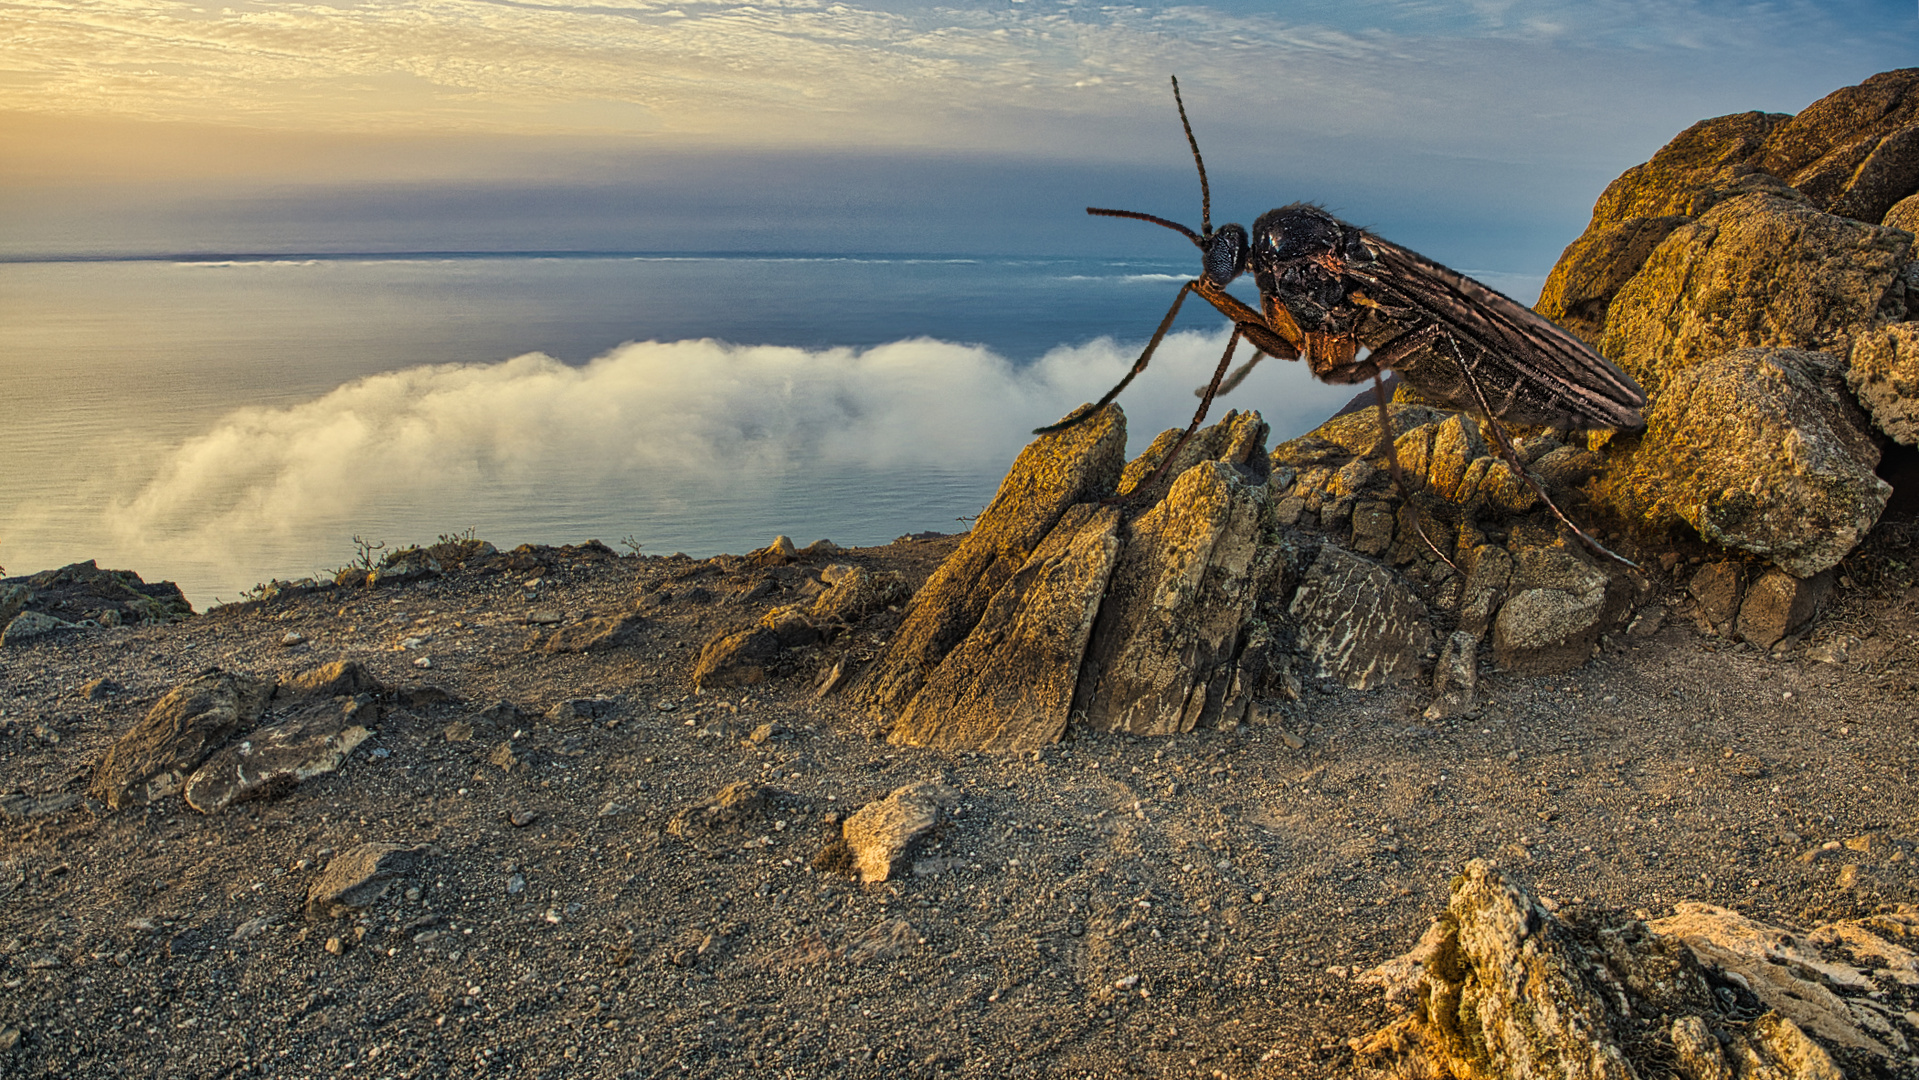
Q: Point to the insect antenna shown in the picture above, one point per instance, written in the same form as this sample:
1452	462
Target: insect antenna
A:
1205	192
1197	240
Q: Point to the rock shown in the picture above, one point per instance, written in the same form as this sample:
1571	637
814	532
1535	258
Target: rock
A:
1779	604
1801	976
1759	450
582	710
176	735
595	634
1009	685
269	760
859	593
1884	374
821	548
879	834
1162	651
733	806
1760	270
1356	622
1499	987
778	553
740	658
1080	464
545	617
1903	216
100	689
499	716
831	680
1561	604
28	625
13	600
458	731
768	732
358	877
104	597
341	678
402	566
1455	677
795	627
1853	152
1702	166
1719	586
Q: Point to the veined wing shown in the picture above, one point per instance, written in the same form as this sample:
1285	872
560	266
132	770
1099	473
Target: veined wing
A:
1532	370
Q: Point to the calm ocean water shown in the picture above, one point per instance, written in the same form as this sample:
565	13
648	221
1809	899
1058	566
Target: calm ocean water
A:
221	423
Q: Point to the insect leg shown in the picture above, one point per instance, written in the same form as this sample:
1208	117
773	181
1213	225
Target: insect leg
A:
1225	361
1511	457
1138	366
1232	381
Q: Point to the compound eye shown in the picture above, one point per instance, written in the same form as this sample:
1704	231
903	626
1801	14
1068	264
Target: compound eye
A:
1225	256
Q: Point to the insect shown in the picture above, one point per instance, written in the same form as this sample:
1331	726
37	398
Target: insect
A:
1328	289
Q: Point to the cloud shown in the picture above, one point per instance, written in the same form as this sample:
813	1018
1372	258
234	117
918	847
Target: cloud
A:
695	444
1051	75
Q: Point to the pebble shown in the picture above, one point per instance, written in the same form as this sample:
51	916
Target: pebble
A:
335	946
9	1038
522	818
515	885
292	637
423	662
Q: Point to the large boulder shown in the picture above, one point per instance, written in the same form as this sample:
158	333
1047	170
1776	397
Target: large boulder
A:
1758	270
1884	374
1759	450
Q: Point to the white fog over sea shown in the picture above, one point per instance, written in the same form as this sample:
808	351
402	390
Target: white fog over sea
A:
223	422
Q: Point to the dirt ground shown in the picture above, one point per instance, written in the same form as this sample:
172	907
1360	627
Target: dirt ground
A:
1113	906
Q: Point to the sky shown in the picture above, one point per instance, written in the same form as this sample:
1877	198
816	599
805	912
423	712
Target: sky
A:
1477	132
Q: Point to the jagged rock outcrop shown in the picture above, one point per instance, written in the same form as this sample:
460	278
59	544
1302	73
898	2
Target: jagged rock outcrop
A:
1079	465
1500	988
81	596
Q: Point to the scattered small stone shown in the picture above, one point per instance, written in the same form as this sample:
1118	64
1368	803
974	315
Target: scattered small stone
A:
580	710
336	945
878	834
766	733
358	877
9	1038
458	731
100	689
515	884
545	617
522	818
831	680
292	637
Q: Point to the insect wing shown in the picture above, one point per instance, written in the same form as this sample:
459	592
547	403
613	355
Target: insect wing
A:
1531	370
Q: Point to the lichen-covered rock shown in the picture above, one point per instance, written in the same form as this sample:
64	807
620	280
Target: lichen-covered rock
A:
1757	270
1501	989
272	759
1010	684
1904	215
1357	623
1853	152
176	735
1702	166
1759	450
1177	601
1884	373
1053	472
1561	604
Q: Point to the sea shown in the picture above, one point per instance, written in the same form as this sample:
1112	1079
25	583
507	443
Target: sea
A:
225	420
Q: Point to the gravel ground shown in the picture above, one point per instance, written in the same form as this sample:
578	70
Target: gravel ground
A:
1189	906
